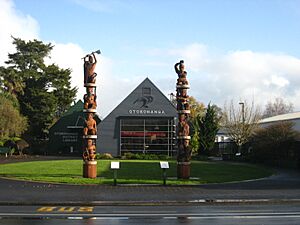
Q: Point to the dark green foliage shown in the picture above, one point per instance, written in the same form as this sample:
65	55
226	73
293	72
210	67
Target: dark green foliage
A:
11	122
104	156
275	144
140	156
43	91
208	127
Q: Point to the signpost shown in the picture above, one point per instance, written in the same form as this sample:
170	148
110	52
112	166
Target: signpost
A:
115	166
164	166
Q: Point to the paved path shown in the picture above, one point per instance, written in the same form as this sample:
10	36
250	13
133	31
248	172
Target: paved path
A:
285	186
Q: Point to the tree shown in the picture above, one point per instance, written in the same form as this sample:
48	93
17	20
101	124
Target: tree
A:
208	127
278	107
11	122
197	111
240	121
197	108
43	92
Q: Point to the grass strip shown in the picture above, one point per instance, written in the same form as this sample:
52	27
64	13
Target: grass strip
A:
131	172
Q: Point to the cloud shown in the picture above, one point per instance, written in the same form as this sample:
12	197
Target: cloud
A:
14	23
219	77
111	89
214	76
69	56
195	54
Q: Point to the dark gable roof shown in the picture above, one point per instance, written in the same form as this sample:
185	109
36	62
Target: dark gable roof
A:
141	102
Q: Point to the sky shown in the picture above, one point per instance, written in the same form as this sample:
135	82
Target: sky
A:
245	50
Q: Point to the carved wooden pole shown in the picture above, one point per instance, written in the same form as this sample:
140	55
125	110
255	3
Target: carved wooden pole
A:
89	108
183	129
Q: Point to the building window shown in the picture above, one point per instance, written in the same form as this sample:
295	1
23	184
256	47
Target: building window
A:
150	135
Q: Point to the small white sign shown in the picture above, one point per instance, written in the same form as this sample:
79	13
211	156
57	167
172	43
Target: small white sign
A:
164	165
115	165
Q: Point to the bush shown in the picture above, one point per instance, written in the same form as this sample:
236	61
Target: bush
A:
275	144
141	156
104	156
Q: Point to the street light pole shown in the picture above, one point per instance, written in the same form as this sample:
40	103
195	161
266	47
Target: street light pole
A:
243	111
243	122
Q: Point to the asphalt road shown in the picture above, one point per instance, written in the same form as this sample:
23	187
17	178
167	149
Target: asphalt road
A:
273	200
156	214
285	185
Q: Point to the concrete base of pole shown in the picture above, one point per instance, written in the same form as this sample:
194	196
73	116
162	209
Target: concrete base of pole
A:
183	170
90	169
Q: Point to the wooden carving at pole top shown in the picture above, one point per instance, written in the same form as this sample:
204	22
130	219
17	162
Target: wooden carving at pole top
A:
90	62
183	109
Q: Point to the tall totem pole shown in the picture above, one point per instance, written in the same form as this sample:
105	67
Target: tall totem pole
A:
89	108
183	128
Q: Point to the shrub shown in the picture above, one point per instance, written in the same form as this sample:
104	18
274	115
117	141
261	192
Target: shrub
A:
141	156
103	156
274	143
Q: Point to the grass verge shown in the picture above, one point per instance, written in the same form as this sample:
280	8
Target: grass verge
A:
131	172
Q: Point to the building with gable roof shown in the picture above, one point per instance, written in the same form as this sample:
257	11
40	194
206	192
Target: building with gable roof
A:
65	136
144	122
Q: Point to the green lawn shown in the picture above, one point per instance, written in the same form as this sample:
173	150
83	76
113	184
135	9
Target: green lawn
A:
131	172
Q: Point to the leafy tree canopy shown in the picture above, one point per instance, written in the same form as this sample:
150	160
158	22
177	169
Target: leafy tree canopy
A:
43	91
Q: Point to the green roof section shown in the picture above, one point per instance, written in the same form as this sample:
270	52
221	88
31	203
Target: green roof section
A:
77	107
65	136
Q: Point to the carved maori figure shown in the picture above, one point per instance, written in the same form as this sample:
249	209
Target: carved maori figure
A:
181	93
90	99
90	125
183	104
184	151
90	150
179	68
89	68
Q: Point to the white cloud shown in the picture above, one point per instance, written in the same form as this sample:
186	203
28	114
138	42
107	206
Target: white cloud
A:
195	54
218	77
111	89
213	76
14	23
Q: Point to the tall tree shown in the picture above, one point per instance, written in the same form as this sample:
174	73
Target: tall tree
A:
240	121
43	91
278	107
208	128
